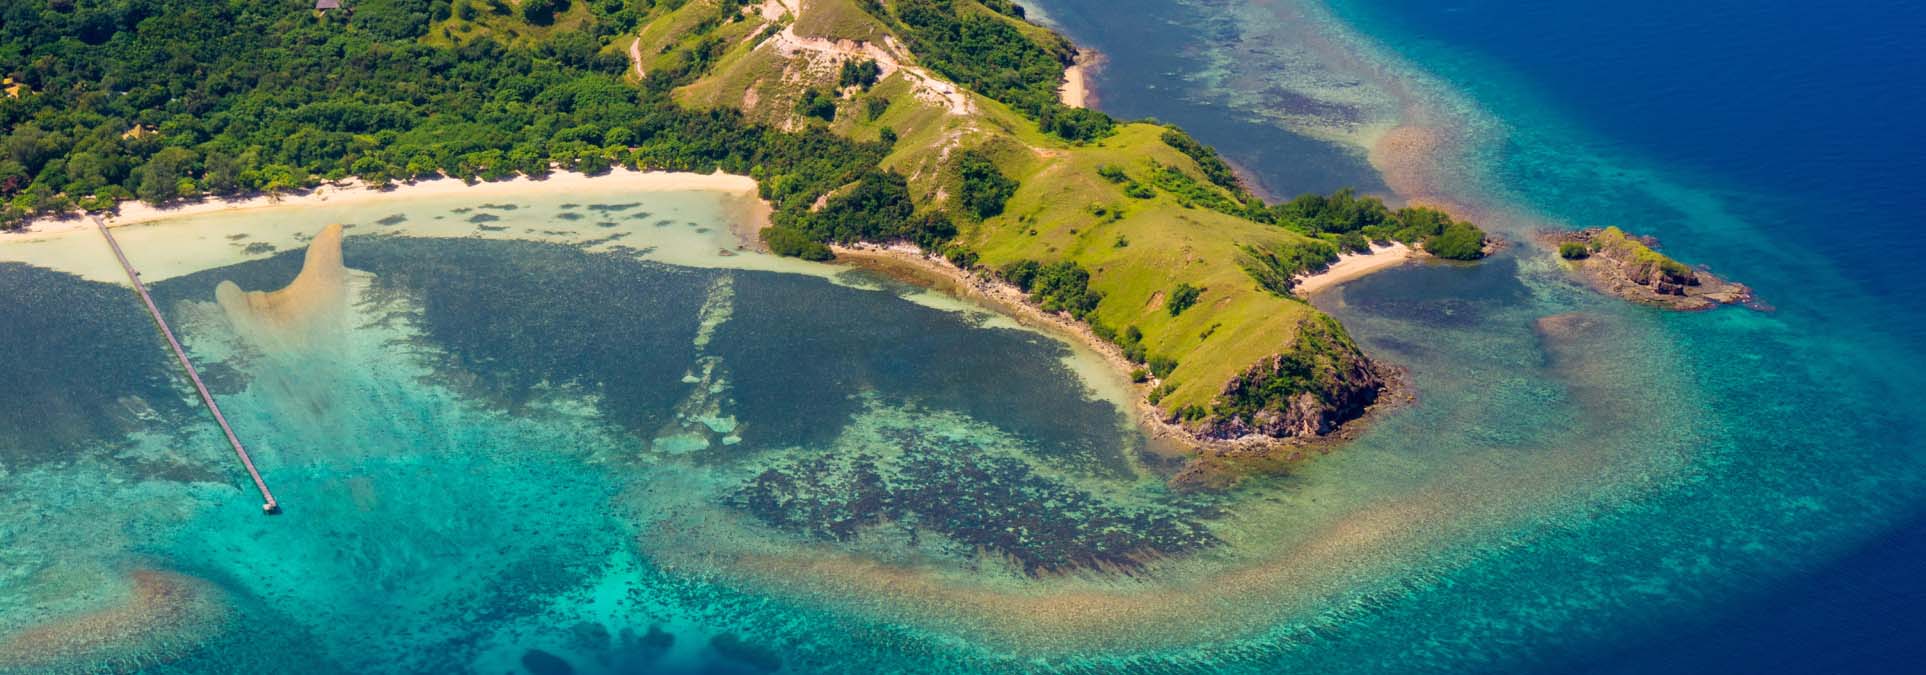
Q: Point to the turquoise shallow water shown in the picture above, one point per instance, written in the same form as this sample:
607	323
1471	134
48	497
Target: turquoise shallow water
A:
508	455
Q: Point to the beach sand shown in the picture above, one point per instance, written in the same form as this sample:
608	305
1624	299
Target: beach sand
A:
181	239
356	192
1353	266
1076	91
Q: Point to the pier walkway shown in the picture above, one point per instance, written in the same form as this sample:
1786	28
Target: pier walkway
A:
268	504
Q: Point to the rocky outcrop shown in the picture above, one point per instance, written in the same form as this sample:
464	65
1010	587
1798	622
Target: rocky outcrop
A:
1631	267
1308	391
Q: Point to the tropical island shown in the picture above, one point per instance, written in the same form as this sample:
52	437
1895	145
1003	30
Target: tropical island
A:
934	130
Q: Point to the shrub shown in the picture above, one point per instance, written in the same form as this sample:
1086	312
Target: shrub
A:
815	103
984	189
1458	241
1162	365
1139	376
859	73
793	242
960	256
875	106
1182	297
1573	250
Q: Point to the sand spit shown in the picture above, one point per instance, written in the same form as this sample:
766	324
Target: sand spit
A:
318	293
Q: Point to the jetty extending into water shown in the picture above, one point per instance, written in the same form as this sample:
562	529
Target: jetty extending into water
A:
268	505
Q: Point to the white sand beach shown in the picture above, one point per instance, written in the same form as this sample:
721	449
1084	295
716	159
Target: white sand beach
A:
1354	265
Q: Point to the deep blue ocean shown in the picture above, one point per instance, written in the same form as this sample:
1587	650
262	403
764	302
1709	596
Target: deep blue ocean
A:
1814	119
1805	125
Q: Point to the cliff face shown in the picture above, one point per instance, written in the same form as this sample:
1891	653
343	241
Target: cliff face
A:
1323	381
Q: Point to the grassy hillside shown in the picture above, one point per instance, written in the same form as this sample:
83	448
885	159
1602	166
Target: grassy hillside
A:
1138	242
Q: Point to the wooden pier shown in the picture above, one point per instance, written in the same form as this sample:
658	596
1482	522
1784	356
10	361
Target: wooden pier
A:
268	504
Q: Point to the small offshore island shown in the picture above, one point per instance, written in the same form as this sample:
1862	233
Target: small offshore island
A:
1630	267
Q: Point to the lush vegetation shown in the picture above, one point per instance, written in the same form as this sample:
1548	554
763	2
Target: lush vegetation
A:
1057	287
1274	267
1573	250
861	74
1214	167
877	207
982	188
998	58
1350	220
165	99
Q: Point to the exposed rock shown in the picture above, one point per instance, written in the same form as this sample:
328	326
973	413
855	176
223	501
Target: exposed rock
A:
1630	267
1306	392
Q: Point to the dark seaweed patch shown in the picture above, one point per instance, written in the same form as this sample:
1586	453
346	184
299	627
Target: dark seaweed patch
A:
493	228
569	215
484	218
500	207
65	401
258	248
641	215
982	502
521	318
664	223
613	207
394	219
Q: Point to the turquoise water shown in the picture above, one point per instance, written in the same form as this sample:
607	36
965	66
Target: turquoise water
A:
533	439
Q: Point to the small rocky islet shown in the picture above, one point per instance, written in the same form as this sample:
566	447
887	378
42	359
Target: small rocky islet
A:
1631	267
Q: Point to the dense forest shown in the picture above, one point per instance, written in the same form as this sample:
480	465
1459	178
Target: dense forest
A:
168	99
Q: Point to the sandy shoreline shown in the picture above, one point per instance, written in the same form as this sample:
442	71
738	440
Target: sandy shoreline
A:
355	192
1076	91
1352	266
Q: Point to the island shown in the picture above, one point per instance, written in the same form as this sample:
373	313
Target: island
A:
1631	267
933	133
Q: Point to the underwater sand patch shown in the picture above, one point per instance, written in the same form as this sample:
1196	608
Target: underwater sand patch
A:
318	295
164	617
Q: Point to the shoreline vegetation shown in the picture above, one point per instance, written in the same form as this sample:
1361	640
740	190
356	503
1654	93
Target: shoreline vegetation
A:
1630	267
942	124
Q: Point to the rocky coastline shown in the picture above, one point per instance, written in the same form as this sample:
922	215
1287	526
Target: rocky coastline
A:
1630	267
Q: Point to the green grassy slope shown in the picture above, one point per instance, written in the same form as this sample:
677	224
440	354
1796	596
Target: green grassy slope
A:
1138	250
